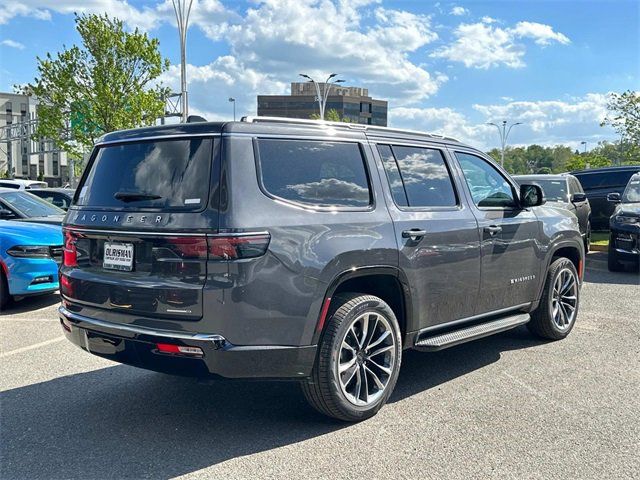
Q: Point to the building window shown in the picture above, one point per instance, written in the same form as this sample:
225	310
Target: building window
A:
56	163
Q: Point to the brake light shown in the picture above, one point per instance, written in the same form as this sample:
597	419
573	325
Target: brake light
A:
69	253
234	247
188	247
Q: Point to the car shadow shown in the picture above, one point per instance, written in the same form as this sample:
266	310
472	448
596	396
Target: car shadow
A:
122	422
598	272
28	304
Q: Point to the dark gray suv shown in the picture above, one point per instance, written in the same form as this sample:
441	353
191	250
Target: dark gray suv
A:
293	249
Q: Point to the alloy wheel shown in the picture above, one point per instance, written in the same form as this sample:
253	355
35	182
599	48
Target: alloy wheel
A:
564	299
366	359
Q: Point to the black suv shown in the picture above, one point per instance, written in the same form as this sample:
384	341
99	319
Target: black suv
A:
597	184
624	239
293	249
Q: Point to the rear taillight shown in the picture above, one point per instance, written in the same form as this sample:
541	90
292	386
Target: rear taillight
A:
69	254
188	247
234	247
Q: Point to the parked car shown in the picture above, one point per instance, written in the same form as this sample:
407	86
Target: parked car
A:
60	197
19	184
565	191
624	225
29	258
22	205
300	250
597	184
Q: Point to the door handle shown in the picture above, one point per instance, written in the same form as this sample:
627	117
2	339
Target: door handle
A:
414	234
493	229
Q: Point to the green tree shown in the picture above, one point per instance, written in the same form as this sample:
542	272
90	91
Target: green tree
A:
109	83
331	115
589	160
624	117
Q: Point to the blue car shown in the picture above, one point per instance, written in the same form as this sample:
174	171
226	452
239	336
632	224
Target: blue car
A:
29	258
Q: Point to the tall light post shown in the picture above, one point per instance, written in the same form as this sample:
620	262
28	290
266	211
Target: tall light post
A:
586	163
322	96
182	8
504	135
585	146
233	100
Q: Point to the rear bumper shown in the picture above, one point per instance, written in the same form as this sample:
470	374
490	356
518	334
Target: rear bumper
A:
136	346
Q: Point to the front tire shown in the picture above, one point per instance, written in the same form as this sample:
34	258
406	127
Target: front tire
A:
587	238
556	315
4	291
612	258
358	359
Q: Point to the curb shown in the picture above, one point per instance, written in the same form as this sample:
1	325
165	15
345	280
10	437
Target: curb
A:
598	248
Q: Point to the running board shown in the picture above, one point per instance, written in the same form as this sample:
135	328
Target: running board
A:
456	337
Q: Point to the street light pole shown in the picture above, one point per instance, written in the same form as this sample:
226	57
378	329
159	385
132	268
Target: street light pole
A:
322	96
233	100
504	136
182	8
585	146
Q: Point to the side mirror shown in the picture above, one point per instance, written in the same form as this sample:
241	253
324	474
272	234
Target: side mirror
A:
613	197
531	195
6	214
578	197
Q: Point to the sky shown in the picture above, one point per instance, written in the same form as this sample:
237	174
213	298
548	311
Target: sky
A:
444	67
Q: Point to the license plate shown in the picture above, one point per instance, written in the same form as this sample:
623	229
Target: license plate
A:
118	256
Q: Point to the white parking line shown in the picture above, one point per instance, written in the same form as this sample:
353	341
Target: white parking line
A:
31	347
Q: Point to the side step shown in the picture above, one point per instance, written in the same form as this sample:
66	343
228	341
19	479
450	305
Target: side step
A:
456	337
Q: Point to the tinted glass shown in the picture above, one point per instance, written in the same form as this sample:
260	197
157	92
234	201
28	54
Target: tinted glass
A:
393	174
29	205
591	181
9	185
55	198
314	172
425	177
488	187
632	192
175	171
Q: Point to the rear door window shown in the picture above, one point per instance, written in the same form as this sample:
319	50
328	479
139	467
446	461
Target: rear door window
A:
315	173
166	174
418	176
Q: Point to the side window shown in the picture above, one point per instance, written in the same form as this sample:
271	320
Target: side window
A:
393	174
424	175
488	187
59	201
318	173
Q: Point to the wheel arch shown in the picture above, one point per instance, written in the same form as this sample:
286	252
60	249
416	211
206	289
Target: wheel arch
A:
571	250
385	282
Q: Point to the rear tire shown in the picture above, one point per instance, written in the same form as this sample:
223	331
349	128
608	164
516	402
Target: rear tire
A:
5	298
556	315
358	359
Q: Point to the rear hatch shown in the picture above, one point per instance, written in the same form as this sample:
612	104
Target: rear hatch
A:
135	239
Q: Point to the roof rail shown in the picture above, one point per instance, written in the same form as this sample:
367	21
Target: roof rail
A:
351	126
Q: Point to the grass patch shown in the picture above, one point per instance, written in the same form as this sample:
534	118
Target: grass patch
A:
600	238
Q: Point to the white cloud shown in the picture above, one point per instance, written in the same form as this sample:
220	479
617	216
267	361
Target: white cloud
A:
12	43
482	45
459	11
211	85
545	122
272	38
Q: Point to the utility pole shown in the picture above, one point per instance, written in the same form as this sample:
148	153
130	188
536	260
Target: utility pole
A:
233	100
182	8
322	96
504	135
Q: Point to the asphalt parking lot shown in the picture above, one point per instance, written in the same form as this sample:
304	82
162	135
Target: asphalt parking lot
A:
507	406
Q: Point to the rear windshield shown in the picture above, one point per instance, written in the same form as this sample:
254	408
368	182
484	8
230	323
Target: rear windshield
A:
167	174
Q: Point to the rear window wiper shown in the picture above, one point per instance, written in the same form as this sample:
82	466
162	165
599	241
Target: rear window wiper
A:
135	196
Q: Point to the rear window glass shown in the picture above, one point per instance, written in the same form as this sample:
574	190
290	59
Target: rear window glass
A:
167	174
29	205
316	173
